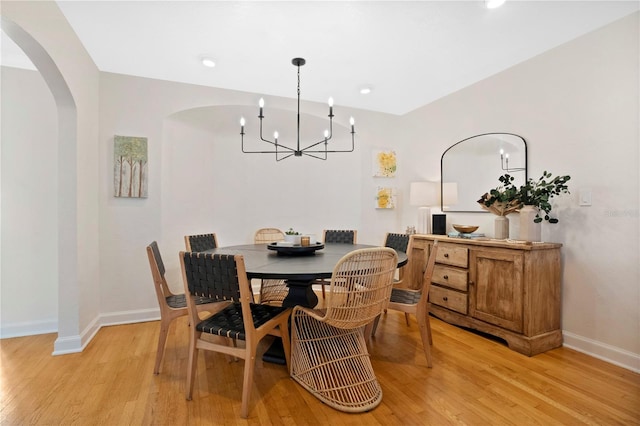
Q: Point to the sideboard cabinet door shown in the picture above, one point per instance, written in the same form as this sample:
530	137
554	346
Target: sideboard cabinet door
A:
496	287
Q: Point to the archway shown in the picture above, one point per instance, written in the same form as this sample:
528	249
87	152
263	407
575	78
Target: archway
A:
68	303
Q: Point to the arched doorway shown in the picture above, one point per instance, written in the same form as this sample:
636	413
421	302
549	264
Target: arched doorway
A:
68	303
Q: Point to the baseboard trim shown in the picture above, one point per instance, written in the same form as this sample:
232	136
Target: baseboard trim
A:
608	353
30	328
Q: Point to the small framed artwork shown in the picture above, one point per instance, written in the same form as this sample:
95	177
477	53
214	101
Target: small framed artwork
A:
384	163
385	198
130	167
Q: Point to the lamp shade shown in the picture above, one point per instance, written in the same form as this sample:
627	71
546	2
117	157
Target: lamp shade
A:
423	193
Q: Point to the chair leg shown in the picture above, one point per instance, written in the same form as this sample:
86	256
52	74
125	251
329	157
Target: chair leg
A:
322	287
425	334
429	330
162	340
192	364
247	382
370	329
406	317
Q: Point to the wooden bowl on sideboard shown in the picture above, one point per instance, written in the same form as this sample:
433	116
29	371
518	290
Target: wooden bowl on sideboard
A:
465	229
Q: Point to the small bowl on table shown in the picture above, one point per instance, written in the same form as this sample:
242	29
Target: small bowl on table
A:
465	229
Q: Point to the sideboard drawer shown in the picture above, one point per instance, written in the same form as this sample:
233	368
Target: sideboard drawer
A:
451	277
451	255
450	299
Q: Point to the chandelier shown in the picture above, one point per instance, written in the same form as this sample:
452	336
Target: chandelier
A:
318	149
504	161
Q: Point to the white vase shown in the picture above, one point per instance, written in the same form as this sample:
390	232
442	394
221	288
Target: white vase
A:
293	239
529	230
501	228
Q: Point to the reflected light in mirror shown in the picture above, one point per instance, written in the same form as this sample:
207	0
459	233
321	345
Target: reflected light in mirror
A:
449	194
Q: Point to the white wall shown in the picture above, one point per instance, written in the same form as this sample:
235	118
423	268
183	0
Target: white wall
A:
29	205
577	108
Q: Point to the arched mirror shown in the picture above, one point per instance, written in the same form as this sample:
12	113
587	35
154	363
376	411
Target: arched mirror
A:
471	167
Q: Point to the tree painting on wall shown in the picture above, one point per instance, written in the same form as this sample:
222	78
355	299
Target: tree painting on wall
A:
130	167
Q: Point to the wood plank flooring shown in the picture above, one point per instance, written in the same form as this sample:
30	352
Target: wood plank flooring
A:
474	381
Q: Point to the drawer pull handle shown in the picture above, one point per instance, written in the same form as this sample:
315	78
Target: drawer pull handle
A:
446	255
446	277
445	298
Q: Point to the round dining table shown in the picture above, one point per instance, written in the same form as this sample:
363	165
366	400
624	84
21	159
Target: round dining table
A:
299	271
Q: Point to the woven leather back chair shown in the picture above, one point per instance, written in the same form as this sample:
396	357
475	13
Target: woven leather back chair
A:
329	355
200	242
401	242
345	236
171	305
272	292
412	301
341	236
224	278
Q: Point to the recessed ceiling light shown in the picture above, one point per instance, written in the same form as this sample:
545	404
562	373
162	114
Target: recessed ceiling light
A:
208	62
365	90
492	4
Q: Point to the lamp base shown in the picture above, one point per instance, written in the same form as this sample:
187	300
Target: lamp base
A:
424	220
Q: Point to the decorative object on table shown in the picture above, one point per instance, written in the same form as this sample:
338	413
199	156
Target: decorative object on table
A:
439	224
384	163
465	229
130	167
292	236
318	149
424	195
501	201
536	196
385	198
288	249
410	230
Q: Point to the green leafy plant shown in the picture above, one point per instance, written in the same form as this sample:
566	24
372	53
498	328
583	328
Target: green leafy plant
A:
292	232
538	193
503	199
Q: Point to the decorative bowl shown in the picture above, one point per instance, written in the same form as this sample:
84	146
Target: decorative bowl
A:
465	229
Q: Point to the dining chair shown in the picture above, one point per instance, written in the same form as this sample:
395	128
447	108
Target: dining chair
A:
272	292
416	301
400	242
329	356
200	242
171	305
341	236
223	277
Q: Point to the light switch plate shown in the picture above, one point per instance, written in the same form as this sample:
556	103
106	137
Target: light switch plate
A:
585	197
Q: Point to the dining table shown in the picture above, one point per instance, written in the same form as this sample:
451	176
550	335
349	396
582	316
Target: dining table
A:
299	270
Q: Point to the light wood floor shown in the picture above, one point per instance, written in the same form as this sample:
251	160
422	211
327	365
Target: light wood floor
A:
474	381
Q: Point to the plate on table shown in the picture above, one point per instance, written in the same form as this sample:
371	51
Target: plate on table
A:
294	249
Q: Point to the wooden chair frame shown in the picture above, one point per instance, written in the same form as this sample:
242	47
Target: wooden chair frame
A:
412	301
271	320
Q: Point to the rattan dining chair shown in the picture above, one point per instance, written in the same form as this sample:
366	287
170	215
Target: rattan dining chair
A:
340	236
272	292
200	242
171	305
224	277
329	356
416	301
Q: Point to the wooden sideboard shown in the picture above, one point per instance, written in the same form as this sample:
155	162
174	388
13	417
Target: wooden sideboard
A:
509	290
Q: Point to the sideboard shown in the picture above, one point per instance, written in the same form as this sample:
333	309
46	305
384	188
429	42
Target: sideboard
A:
510	290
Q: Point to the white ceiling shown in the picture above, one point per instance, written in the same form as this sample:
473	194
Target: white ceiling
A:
410	52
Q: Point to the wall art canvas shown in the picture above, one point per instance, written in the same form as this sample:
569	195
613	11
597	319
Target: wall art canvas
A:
384	163
130	167
385	198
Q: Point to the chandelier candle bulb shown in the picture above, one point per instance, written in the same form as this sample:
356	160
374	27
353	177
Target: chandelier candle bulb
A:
261	104
242	126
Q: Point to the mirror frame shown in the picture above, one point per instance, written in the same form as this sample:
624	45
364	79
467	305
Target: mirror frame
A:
526	169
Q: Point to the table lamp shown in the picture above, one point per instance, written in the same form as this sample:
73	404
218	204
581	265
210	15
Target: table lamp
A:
424	195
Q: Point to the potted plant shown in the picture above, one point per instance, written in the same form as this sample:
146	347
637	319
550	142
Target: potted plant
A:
539	193
501	201
292	236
